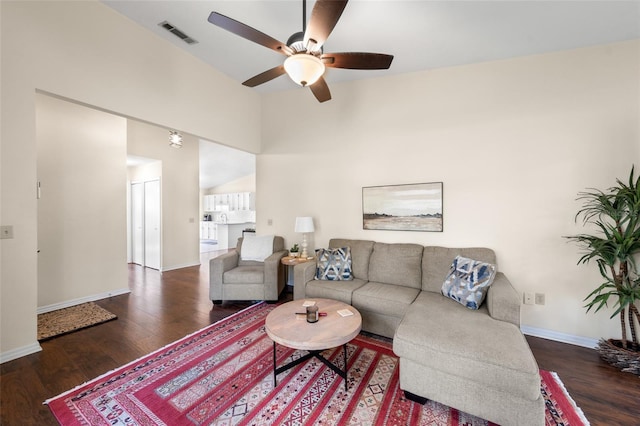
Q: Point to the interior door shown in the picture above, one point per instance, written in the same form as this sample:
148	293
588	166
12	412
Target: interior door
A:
137	223
152	224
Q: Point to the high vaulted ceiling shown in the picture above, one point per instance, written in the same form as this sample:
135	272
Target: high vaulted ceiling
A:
220	164
420	34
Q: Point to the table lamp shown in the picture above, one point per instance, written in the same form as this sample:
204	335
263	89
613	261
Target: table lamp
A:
304	225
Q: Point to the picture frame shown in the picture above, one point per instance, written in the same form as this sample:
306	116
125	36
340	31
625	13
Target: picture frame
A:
406	207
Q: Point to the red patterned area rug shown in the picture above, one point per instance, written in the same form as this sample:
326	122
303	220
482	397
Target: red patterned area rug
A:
223	375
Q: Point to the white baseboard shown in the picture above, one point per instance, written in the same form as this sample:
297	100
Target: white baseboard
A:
171	268
35	347
19	352
73	302
559	337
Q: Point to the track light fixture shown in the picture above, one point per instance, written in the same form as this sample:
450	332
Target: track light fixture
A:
175	139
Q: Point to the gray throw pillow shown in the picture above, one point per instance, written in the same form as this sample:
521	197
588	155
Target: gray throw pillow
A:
468	281
333	264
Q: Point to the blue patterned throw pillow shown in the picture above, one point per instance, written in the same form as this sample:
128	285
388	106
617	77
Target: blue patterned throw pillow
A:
468	281
333	264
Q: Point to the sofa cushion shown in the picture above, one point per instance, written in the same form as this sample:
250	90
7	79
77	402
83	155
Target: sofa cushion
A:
382	298
436	262
336	290
446	336
252	274
468	281
333	264
398	264
360	254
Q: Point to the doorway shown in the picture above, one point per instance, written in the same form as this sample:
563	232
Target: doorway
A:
145	224
227	194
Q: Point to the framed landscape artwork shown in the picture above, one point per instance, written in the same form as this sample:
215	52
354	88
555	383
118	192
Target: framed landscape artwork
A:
411	207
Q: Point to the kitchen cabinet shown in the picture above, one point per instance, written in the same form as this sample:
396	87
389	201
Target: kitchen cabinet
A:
208	203
237	201
208	230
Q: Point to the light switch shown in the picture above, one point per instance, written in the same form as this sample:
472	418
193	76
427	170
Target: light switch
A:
6	232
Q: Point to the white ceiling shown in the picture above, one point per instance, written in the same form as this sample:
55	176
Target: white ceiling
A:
220	164
420	34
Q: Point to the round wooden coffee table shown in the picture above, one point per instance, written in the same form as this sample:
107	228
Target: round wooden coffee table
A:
288	326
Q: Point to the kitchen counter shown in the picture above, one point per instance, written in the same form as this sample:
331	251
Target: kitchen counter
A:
228	233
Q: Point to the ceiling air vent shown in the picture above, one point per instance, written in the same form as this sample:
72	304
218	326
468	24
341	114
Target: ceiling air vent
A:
176	32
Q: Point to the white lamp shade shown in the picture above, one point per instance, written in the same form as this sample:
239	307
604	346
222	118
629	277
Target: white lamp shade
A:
304	224
303	68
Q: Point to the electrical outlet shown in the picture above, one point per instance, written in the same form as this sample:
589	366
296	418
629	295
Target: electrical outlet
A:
6	232
269	222
540	299
529	299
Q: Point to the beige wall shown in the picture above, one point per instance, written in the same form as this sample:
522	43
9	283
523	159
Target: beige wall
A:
82	209
179	190
243	184
145	172
87	52
513	142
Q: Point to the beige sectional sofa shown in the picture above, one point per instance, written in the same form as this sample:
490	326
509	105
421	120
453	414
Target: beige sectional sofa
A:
477	361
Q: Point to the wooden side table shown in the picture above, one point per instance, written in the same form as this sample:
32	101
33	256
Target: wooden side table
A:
290	262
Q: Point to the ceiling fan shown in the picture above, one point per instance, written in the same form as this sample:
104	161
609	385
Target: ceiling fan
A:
306	62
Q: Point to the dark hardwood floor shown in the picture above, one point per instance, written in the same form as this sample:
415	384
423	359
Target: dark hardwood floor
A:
162	308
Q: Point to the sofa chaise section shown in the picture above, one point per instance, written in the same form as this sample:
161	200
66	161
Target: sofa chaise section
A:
468	360
477	361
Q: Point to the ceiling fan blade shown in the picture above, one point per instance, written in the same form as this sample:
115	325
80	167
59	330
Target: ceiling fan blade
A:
324	18
357	60
321	90
249	33
265	76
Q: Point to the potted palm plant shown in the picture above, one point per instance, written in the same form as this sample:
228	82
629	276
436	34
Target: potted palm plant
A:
615	247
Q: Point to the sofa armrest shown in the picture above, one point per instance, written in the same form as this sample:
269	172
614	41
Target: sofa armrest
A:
273	275
503	301
217	267
302	274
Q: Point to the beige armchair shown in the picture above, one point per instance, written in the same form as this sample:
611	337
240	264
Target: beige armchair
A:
233	278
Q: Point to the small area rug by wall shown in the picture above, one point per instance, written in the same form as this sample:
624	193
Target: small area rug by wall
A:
66	320
223	375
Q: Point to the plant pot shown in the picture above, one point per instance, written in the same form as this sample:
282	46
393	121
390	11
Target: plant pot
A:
294	254
627	360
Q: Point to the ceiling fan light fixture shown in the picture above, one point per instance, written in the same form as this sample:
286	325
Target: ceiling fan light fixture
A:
304	69
296	42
